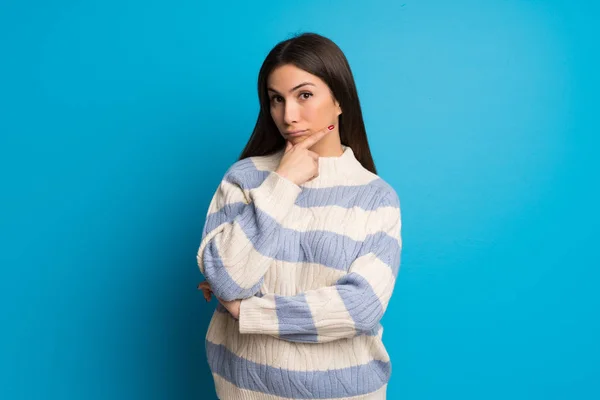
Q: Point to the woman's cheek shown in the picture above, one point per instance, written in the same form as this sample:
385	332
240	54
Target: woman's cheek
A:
315	113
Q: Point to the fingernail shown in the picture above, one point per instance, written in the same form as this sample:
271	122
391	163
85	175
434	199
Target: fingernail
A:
330	127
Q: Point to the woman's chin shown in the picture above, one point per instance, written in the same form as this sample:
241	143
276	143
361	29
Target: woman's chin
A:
298	139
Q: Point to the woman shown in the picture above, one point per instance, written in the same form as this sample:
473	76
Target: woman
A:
302	241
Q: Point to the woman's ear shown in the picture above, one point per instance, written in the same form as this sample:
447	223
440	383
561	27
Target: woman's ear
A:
339	109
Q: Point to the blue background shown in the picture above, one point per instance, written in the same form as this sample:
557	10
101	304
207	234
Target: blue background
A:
119	118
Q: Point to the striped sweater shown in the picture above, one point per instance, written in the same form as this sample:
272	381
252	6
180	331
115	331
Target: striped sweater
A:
315	266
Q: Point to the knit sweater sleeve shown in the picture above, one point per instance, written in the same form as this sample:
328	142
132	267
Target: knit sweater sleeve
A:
240	236
351	307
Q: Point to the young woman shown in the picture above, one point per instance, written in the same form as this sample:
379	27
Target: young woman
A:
302	242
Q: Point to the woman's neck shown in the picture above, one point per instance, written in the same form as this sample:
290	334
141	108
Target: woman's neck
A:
329	146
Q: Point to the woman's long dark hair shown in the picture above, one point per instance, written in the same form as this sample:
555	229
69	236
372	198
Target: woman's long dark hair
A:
321	57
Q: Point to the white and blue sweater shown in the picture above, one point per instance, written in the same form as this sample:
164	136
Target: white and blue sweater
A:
315	265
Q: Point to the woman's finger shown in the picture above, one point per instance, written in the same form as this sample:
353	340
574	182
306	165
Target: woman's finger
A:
315	137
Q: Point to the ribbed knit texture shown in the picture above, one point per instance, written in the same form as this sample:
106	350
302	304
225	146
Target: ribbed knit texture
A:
315	265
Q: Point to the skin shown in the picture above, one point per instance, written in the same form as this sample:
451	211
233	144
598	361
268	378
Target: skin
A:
308	107
299	101
232	306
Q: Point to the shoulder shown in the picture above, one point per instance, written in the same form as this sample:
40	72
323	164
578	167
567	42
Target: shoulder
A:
381	192
386	193
377	190
240	167
250	172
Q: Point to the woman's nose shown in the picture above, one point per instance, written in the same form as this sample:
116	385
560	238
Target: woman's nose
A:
290	113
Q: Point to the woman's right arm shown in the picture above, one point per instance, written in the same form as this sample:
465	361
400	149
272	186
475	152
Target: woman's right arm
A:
241	235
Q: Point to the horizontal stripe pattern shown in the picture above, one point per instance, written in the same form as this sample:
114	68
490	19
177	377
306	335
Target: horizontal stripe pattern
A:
355	351
316	265
230	264
233	281
375	331
310	384
227	390
336	217
344	196
353	306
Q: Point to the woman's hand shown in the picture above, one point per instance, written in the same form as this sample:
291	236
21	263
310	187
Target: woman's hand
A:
232	306
298	163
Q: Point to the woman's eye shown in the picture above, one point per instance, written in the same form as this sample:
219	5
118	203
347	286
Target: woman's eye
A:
279	99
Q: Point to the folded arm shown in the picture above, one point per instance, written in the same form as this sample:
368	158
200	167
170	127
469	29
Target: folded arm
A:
241	234
351	307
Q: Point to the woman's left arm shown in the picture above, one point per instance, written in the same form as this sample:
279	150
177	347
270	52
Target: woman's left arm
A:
351	307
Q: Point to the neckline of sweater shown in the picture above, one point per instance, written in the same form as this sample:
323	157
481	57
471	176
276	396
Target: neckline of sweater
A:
338	167
334	169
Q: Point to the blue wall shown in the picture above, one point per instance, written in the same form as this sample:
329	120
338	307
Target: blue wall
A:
118	119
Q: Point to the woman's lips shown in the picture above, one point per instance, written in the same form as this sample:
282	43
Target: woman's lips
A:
300	133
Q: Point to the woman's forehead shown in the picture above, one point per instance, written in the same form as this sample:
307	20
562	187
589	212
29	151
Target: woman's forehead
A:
288	77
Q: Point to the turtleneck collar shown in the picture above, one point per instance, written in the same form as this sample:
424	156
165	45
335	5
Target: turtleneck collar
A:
334	164
334	170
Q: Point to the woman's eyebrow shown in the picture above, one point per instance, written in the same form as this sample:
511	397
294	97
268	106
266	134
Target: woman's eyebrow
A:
294	88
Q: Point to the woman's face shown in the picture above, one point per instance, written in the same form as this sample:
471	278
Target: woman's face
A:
300	102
